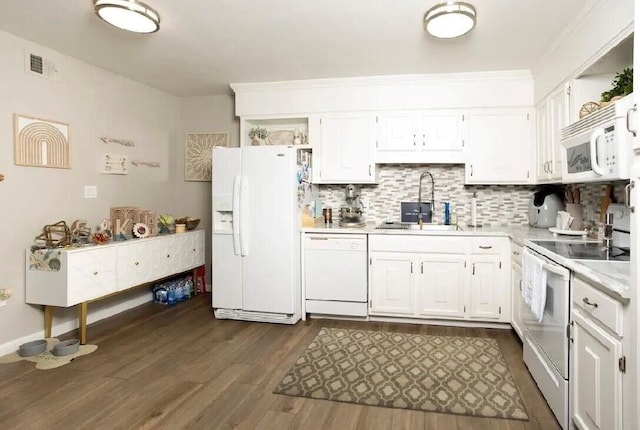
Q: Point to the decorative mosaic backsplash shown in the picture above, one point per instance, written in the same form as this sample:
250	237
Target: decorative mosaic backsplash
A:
496	204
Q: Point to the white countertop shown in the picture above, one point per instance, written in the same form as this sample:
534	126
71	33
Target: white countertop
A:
612	277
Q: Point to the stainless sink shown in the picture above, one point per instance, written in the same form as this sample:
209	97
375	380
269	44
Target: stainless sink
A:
425	227
433	227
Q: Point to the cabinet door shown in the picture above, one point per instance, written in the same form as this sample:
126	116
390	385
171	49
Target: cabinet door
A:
92	274
516	299
140	262
397	131
485	288
346	149
390	283
441	287
188	251
558	118
442	131
542	142
500	146
596	381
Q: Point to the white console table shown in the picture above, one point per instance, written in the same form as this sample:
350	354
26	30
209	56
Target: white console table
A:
94	273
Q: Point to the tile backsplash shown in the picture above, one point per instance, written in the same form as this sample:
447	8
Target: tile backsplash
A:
496	204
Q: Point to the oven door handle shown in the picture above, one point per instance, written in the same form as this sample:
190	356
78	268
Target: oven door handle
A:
558	270
549	266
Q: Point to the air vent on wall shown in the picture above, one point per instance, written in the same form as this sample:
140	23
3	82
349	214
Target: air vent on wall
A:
40	66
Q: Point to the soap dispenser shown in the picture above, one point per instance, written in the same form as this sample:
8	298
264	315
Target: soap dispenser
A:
447	213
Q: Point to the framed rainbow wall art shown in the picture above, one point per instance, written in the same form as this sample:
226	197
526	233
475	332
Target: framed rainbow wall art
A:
41	142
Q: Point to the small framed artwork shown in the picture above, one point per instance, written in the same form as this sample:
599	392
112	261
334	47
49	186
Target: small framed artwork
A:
197	154
40	142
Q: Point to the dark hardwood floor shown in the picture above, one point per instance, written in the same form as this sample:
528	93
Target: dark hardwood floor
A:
178	367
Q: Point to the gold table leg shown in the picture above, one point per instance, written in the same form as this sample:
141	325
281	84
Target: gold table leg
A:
82	320
48	320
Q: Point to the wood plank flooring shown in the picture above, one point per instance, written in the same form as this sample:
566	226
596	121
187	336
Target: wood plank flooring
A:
160	367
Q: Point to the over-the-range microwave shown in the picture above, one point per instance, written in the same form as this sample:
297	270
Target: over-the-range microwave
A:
599	146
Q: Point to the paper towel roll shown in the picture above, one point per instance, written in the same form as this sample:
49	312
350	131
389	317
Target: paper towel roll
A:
474	210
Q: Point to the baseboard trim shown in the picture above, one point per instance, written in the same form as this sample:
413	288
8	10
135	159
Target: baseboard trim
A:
69	325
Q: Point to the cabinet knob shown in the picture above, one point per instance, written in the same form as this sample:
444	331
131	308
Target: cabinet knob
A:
168	255
586	301
485	246
516	253
95	273
194	250
136	263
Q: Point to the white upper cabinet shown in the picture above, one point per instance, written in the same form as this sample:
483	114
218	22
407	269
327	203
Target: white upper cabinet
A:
343	148
552	115
500	146
424	136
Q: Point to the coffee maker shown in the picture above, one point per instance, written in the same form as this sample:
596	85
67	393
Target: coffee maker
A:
351	213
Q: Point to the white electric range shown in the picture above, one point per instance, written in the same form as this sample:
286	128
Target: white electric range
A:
546	345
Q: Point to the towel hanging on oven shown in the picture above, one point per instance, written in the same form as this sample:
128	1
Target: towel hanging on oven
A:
534	283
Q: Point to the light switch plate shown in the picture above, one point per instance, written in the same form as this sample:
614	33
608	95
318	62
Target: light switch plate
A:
90	192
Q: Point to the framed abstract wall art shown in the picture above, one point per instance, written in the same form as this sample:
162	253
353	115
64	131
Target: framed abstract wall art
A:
197	154
40	142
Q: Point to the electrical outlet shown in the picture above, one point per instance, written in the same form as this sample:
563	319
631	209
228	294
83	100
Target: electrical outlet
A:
90	192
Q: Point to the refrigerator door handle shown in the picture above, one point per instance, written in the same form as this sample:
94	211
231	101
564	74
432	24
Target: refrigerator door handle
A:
235	214
244	216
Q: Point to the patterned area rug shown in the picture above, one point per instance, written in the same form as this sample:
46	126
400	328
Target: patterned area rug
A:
457	375
46	360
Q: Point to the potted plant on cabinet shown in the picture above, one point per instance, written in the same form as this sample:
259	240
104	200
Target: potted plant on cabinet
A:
166	223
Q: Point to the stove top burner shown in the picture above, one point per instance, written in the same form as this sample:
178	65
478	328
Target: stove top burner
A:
584	251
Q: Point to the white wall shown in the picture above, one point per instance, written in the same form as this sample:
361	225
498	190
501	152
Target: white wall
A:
95	103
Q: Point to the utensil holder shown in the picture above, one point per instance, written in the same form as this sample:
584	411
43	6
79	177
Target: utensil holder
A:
576	211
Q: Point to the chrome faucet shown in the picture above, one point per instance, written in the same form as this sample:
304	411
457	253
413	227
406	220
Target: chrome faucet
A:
422	175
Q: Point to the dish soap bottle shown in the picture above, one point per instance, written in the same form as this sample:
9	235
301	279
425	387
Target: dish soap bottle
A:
447	213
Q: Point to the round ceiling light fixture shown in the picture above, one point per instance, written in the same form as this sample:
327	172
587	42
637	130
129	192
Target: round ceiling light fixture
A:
450	19
130	15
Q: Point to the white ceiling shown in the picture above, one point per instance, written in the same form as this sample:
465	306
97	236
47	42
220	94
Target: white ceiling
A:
203	45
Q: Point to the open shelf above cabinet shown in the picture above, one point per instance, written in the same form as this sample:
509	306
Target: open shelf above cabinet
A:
589	84
279	131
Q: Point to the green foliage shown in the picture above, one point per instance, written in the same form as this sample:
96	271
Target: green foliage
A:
165	219
258	133
622	85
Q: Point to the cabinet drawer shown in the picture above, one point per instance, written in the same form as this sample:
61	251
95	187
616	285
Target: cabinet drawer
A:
418	244
516	254
598	305
488	245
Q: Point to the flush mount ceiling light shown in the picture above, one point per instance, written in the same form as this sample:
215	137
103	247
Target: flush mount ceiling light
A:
450	19
131	15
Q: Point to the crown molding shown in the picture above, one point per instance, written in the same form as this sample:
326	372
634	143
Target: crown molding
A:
412	79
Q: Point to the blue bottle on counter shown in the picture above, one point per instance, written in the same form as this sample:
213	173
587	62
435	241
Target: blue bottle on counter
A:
447	213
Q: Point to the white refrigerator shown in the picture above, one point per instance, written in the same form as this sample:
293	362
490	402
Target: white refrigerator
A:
258	195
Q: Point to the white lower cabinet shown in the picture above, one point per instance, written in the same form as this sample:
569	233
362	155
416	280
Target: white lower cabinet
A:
442	285
598	360
87	274
485	290
434	277
516	290
391	278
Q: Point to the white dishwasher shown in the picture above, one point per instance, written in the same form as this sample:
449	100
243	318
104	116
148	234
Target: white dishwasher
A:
335	274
